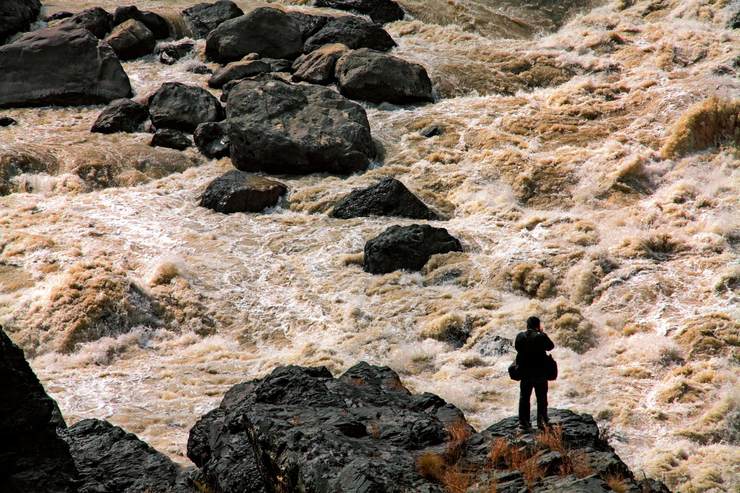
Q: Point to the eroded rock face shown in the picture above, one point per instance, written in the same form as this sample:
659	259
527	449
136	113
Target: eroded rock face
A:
277	127
183	107
389	197
203	18
130	40
32	456
266	31
110	459
237	191
377	77
407	247
380	11
354	32
60	66
17	16
121	115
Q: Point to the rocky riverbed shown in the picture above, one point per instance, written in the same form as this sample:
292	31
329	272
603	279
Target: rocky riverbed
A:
195	196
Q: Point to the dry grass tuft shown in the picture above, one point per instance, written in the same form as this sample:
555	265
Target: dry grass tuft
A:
431	466
708	123
458	433
456	481
617	483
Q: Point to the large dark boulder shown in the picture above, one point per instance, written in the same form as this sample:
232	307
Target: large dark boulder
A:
154	22
183	107
309	24
111	460
407	247
32	457
266	31
318	66
96	20
354	32
377	77
130	40
121	115
203	18
380	11
212	139
60	66
237	191
277	127
16	16
388	197
171	138
238	70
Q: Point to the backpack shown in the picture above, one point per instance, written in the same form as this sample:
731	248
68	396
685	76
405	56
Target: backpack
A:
551	367
514	372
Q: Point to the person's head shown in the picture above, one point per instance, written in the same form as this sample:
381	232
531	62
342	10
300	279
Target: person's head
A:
533	323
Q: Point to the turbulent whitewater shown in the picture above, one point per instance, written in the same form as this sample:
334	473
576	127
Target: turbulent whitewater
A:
586	157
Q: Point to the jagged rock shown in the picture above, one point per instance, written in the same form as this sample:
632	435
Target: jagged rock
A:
170	53
278	127
121	115
380	11
279	64
60	66
360	432
433	130
16	16
130	40
407	247
238	70
377	77
6	121
237	191
354	32
266	31
199	68
32	457
573	484
154	22
58	16
389	197
96	20
168	137
309	24
212	139
111	460
183	107
318	66
203	18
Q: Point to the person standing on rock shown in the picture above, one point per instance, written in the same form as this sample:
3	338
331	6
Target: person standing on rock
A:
531	359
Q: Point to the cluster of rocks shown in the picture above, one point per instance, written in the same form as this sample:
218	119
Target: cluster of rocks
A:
297	429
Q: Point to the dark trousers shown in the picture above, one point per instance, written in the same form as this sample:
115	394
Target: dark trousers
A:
540	390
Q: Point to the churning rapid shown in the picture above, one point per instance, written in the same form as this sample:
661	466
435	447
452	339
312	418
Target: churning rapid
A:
585	154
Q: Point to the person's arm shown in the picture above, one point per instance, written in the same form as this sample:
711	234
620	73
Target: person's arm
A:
519	343
549	346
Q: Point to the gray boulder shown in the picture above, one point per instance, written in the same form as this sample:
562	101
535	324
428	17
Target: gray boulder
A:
212	139
179	106
203	18
16	16
354	32
96	20
309	24
267	31
380	11
60	66
237	191
277	127
388	197
130	40
238	70
121	115
377	77
407	248
170	138
154	22
318	66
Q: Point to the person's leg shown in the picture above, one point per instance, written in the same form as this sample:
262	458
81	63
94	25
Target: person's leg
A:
525	393
540	391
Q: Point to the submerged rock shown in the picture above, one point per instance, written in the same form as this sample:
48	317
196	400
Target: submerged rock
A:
318	66
171	138
169	53
179	106
203	18
60	66
267	31
378	77
238	70
16	160
212	139
17	16
96	20
237	191
111	460
154	22
32	456
277	127
130	40
407	247
389	197
6	121
121	115
354	32
380	11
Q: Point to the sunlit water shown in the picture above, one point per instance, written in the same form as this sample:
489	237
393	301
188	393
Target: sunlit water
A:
549	172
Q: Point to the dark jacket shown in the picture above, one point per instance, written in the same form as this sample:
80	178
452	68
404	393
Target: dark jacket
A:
531	346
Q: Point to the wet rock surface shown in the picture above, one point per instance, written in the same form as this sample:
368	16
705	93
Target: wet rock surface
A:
169	53
130	40
171	138
380	11
407	247
212	139
203	18
183	107
238	70
121	115
277	127
17	16
389	197
237	191
354	32
318	66
60	66
154	22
